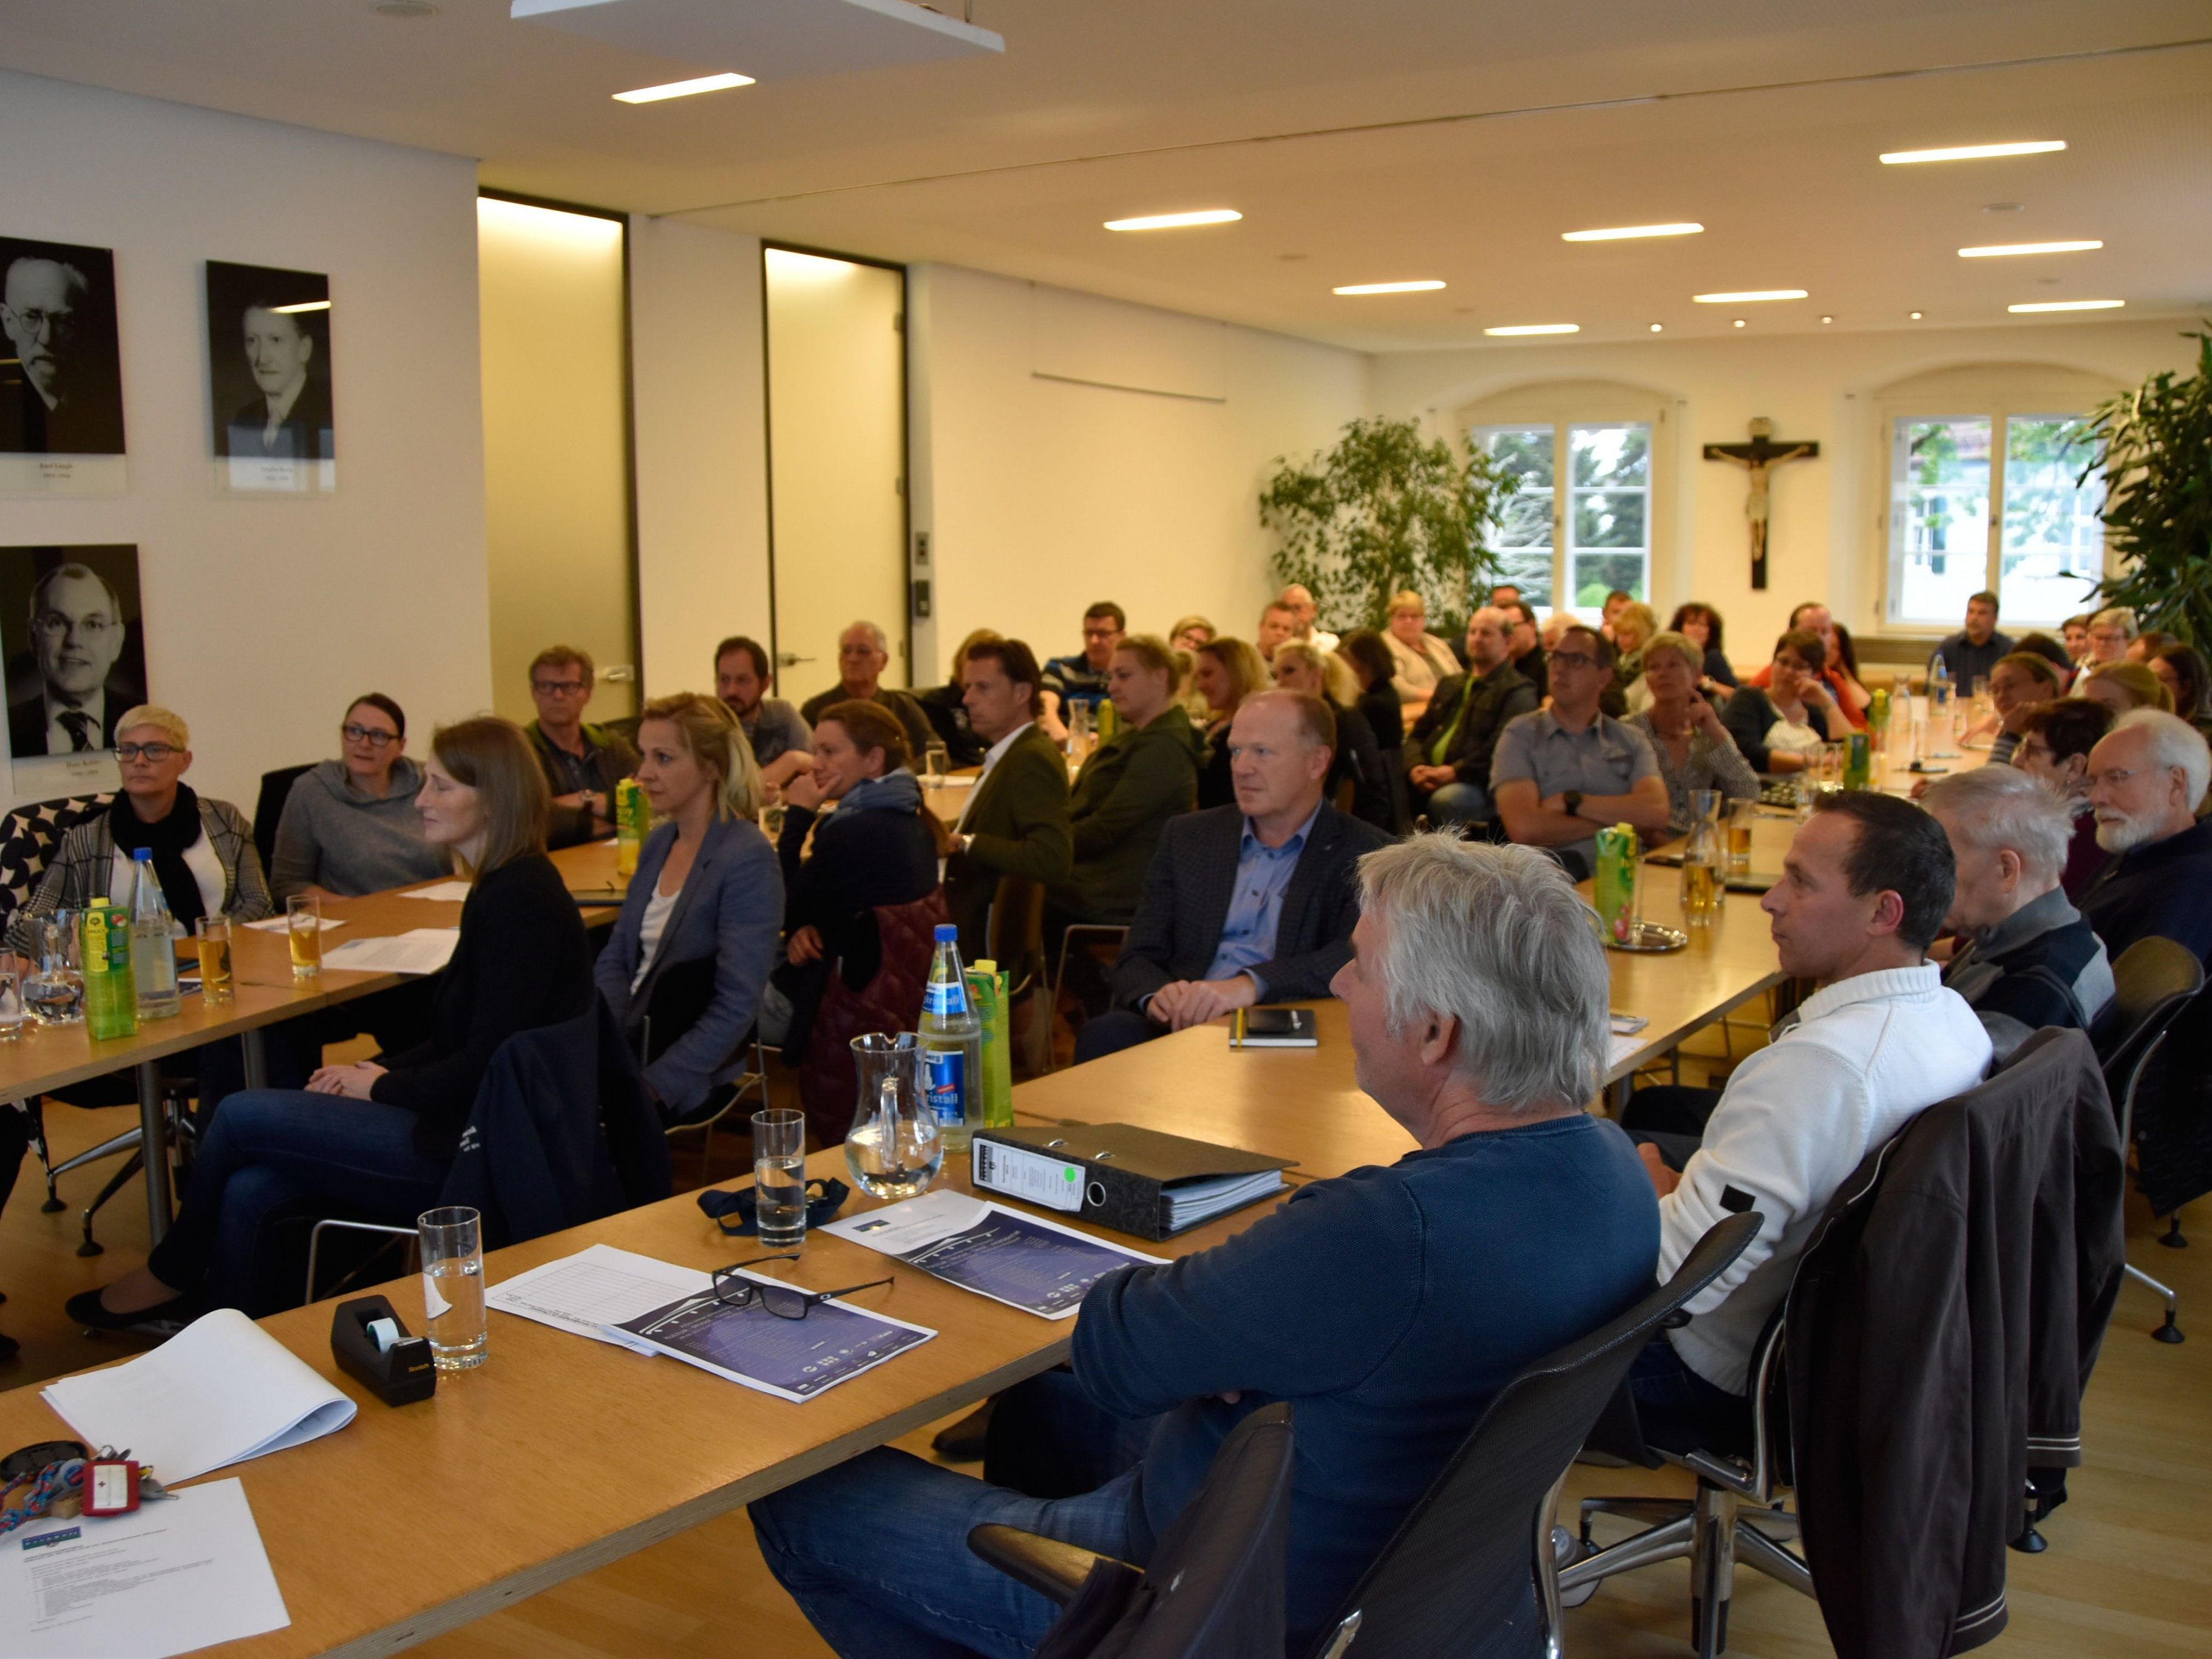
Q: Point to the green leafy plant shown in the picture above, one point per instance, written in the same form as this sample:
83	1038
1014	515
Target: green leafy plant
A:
1386	509
2154	445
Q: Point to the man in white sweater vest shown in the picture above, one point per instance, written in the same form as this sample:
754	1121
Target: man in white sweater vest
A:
1863	890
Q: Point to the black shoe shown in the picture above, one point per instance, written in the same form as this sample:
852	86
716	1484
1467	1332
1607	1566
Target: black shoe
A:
86	1310
963	1442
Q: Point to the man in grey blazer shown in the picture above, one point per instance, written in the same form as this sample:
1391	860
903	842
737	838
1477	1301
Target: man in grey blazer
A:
1253	903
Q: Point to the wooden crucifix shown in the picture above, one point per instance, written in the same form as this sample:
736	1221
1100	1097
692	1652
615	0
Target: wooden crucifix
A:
1757	458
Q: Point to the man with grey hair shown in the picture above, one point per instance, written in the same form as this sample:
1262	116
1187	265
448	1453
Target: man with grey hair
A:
2146	779
2111	632
78	633
59	394
1388	1305
2026	958
864	651
1299	600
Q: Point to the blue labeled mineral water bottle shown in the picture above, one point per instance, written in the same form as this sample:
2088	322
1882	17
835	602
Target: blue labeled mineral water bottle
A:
951	1045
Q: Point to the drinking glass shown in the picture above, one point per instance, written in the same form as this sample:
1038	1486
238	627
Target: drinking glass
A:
894	1149
55	992
12	1012
452	1285
780	1177
934	764
303	924
1739	836
213	936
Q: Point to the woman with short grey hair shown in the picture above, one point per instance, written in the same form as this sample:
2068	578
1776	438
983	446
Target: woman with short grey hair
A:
1695	750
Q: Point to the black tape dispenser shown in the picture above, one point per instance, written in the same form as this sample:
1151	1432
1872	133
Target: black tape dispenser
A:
374	1347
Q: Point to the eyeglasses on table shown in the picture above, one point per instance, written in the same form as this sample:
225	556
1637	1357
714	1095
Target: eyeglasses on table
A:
733	1290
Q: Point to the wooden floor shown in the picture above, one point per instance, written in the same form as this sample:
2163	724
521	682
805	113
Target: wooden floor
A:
2128	1571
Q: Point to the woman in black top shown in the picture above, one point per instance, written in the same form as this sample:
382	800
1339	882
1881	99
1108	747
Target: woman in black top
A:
383	1150
1358	761
1700	624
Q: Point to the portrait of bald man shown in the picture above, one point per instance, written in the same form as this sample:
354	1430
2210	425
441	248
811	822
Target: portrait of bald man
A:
61	390
75	661
269	363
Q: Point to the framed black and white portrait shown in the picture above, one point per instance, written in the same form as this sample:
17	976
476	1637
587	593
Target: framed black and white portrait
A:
61	372
269	378
71	634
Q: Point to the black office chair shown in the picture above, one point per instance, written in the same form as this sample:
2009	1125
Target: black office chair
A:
1215	1586
2154	982
268	806
1471	1573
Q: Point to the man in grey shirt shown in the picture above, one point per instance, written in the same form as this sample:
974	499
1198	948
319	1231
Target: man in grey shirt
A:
781	741
1561	773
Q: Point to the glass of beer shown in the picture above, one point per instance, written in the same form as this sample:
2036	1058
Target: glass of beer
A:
213	936
1739	836
303	924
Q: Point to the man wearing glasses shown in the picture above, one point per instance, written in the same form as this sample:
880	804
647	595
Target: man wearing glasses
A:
51	399
583	763
2146	779
76	639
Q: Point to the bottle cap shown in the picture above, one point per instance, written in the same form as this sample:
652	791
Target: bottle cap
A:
142	855
945	931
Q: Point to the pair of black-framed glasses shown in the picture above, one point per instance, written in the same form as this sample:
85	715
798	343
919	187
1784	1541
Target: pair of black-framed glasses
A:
733	1290
375	737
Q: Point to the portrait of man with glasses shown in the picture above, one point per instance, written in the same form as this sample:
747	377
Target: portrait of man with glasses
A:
75	659
62	392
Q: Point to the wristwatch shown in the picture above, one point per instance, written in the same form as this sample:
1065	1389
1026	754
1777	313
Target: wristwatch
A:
1572	801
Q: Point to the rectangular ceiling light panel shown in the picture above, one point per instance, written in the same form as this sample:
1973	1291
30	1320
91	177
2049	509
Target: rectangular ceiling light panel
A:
767	39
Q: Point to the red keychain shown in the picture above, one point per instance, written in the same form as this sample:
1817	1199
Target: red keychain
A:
111	1486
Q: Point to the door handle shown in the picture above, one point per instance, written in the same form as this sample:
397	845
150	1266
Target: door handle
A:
621	673
786	659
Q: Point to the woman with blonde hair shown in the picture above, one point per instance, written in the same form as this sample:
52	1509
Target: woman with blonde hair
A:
683	971
383	1150
1358	760
1634	626
1224	671
1189	634
1423	659
2123	687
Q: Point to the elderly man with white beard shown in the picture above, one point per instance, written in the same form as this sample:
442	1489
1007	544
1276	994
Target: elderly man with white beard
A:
2146	779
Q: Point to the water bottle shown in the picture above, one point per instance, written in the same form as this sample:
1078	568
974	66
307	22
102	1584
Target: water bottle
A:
153	941
1078	730
1938	708
111	996
951	1045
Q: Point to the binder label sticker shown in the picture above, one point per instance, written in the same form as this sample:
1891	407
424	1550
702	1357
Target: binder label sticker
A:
1054	1182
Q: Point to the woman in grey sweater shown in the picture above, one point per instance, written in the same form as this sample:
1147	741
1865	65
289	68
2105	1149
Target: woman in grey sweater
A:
350	826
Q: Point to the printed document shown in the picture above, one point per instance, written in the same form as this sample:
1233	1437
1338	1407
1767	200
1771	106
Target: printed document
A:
284	924
418	951
790	1358
445	892
1022	1260
586	1293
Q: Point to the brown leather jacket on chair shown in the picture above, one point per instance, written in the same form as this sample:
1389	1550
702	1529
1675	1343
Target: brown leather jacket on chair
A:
1938	1336
892	1001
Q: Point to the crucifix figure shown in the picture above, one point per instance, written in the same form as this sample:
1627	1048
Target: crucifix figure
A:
1756	458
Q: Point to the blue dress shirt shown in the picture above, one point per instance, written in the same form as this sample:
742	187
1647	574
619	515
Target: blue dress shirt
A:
1255	907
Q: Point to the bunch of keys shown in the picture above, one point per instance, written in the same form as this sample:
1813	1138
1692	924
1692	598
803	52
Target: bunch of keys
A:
60	1479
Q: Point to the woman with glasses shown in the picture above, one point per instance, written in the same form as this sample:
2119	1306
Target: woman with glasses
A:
202	850
2056	739
350	826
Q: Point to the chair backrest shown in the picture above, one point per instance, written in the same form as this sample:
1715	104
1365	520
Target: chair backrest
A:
268	806
892	1001
1460	1575
29	837
2151	982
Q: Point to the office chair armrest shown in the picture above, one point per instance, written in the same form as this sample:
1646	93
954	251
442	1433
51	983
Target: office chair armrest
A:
1723	1472
1053	1569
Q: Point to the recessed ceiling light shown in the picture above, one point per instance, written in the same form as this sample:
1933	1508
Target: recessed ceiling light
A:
683	89
1914	315
1972	152
2003	207
405	9
1739	322
1827	320
1656	327
2008	250
1537	328
1176	221
1749	295
304	305
1420	286
1629	233
2069	304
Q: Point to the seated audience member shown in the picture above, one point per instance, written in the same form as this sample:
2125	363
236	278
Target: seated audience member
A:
2026	959
2111	632
1224	672
1449	752
1633	626
1131	785
1301	600
880	847
1555	626
2074	635
1864	889
1616	601
1359	762
1495	1255
1564	772
2021	681
778	735
204	853
2149	643
1277	623
1975	650
2055	743
1015	822
2052	652
582	763
1780	722
2123	687
1247	904
349	825
1080	676
864	651
1525	645
1372	666
1423	661
1504	596
946	707
1189	634
1835	672
683	970
2145	781
379	1137
2181	670
1700	624
1694	748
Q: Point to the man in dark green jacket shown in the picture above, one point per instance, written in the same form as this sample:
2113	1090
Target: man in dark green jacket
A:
1016	821
1135	782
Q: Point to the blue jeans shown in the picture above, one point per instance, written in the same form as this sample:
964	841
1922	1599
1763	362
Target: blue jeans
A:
1679	1410
875	1550
1110	1033
274	1151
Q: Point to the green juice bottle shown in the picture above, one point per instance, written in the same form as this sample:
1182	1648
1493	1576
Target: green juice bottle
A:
111	993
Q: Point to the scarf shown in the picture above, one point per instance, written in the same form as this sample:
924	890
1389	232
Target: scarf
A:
169	838
896	792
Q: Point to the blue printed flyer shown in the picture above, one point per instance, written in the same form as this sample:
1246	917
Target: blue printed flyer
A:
1021	1260
790	1358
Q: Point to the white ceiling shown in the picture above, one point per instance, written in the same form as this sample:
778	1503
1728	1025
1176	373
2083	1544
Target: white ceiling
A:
1362	142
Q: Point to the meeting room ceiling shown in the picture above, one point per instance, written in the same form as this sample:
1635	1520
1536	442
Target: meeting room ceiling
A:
1386	140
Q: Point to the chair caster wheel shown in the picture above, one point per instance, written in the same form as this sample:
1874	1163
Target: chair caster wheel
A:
92	1247
2168	1331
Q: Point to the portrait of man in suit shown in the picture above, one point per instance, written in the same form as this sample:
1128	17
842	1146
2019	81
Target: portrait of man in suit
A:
75	659
61	389
269	363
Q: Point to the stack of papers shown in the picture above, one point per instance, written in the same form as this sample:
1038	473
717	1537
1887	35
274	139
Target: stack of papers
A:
418	951
1190	1202
1022	1260
445	892
589	1294
282	924
219	1391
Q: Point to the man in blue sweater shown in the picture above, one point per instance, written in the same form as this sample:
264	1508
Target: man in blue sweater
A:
1387	1306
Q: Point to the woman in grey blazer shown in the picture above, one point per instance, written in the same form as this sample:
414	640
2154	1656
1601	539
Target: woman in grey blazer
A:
698	931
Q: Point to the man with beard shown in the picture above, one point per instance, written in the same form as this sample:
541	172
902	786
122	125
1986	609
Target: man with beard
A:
51	401
2146	778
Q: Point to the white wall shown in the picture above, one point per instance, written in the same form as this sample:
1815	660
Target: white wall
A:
264	616
1819	386
1042	494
